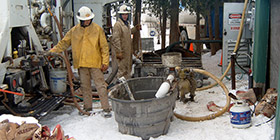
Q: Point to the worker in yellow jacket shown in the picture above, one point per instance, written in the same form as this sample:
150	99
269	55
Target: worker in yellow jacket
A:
121	42
90	53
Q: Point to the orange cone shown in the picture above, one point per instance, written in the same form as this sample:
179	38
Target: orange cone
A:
191	47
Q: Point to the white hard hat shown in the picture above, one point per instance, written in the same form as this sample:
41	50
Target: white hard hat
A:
85	13
124	9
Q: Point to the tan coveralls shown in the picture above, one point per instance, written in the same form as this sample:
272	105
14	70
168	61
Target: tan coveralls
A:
121	42
90	51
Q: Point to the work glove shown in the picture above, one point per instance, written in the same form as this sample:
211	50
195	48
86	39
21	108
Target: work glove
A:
104	68
135	59
138	27
119	56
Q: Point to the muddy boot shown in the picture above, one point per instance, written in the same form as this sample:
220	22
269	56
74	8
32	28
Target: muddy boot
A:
186	100
191	98
106	113
86	110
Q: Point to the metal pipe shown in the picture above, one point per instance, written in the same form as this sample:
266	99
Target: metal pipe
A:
123	80
232	58
192	41
165	86
163	89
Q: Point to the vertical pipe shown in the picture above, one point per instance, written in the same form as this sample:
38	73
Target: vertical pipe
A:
108	18
232	58
73	10
261	38
250	80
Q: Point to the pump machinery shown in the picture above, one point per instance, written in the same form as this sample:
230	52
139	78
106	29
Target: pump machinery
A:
29	28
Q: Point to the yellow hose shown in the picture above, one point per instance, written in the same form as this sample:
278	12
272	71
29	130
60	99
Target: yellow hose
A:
236	47
218	81
211	116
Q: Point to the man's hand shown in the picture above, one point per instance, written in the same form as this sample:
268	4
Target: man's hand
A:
119	56
104	68
48	53
138	27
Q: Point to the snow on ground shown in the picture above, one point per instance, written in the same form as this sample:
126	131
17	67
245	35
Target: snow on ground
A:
98	128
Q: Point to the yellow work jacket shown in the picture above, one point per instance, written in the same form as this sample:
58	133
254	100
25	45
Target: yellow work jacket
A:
89	46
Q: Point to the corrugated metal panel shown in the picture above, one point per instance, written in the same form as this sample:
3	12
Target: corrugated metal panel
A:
242	59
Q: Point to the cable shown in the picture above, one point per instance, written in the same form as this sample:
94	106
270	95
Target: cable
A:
241	67
265	121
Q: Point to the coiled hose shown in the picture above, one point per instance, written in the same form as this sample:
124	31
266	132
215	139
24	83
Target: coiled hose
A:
218	81
211	116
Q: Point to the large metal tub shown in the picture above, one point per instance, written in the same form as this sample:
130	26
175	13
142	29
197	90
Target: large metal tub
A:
147	116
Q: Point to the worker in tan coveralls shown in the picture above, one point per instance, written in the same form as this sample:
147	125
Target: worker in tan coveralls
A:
121	42
90	53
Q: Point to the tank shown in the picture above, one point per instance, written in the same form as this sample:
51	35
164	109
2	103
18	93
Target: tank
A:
240	115
147	116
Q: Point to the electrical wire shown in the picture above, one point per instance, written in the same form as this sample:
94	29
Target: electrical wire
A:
265	121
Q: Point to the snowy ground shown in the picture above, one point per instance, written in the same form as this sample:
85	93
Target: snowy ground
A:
99	128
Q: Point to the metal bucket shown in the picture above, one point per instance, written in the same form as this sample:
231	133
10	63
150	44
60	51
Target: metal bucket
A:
147	116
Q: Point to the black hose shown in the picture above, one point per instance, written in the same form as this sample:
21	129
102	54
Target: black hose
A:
265	121
241	67
248	100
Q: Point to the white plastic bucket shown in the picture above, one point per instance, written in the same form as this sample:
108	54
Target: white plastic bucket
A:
58	80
